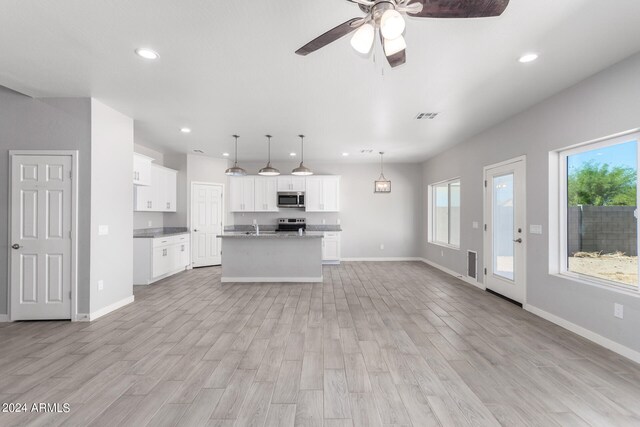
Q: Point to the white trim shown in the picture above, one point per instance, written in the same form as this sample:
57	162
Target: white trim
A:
382	259
111	307
450	272
74	154
4	318
430	209
271	279
586	333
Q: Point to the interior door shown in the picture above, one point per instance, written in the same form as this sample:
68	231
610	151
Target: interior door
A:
40	237
505	236
206	224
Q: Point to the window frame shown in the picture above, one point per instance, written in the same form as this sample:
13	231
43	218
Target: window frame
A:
562	269
431	224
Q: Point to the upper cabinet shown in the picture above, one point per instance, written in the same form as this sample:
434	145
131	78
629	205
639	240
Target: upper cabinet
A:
242	194
266	194
160	194
291	183
322	194
141	169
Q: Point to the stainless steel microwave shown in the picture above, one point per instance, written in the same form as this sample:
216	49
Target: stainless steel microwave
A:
291	200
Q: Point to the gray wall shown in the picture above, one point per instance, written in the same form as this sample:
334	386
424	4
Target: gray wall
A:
605	229
605	104
47	124
367	219
111	196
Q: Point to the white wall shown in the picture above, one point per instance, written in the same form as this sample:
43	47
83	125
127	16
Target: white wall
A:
111	205
367	219
602	105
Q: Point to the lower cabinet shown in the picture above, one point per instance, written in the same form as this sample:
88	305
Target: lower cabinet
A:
155	259
331	248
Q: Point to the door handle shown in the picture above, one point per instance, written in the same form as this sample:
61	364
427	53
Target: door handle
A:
518	240
15	246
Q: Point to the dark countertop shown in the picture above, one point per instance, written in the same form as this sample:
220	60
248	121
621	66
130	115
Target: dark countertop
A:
265	227
153	233
271	235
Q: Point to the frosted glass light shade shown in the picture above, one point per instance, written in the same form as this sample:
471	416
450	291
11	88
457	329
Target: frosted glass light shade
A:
394	46
362	40
391	24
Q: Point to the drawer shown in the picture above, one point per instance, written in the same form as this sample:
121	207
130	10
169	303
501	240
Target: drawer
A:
170	240
331	235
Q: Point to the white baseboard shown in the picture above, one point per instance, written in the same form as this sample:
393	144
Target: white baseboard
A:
108	309
271	279
4	317
450	272
586	333
382	259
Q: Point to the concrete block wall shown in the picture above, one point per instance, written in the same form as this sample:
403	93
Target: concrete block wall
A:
602	228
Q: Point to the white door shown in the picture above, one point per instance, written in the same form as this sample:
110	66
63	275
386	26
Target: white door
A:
505	236
206	224
40	237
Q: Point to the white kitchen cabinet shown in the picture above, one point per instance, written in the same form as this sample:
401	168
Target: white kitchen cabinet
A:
322	194
291	183
161	194
265	194
141	169
331	248
157	258
242	194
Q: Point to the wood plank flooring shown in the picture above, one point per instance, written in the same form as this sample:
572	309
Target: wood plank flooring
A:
376	344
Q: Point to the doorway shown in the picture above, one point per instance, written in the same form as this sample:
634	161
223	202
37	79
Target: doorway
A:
207	208
505	229
42	235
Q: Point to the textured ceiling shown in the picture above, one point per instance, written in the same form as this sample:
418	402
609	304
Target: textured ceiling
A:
229	67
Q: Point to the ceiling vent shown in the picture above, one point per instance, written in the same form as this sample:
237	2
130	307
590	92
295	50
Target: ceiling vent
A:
366	151
425	116
198	151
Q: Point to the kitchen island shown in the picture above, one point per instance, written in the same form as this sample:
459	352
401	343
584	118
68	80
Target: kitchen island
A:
271	256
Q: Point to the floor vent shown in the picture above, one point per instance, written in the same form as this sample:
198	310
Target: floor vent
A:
472	265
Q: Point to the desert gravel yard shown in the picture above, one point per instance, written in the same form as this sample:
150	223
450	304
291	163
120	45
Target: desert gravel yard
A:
617	267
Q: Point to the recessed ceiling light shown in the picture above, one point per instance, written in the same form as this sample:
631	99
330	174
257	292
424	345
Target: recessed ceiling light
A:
147	53
345	154
292	154
528	57
225	154
185	130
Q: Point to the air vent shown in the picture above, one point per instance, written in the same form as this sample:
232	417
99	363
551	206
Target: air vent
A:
198	151
425	116
472	265
366	151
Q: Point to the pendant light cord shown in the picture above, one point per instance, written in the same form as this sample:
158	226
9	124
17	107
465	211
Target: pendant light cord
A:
382	165
235	163
269	142
302	148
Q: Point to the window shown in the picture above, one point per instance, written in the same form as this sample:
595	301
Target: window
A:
598	212
444	208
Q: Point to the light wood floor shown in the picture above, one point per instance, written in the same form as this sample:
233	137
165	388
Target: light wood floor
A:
375	344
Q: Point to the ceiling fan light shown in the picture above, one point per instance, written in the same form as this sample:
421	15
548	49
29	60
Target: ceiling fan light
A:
391	47
362	40
392	24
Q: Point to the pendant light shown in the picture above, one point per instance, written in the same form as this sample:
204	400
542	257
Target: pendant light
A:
269	170
382	184
302	170
236	170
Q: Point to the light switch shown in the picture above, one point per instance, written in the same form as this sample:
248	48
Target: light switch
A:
103	230
475	224
535	229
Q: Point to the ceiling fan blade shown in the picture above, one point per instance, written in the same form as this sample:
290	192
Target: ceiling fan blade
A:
367	3
459	8
328	37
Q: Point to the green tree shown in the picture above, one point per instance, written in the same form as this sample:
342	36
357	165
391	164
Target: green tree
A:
598	184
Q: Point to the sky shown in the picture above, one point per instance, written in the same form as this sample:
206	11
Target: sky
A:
624	154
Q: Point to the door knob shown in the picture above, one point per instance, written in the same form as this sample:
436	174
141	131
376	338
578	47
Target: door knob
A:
15	246
518	240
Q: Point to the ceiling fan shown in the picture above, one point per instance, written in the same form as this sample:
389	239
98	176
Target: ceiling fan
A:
386	16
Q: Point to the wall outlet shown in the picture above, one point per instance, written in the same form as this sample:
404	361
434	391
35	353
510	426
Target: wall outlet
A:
255	221
535	229
103	230
100	285
382	246
441	253
338	221
149	223
475	224
618	310
324	221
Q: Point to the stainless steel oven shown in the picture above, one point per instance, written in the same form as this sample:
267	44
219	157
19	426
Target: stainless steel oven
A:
291	200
